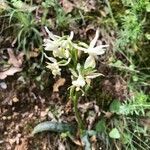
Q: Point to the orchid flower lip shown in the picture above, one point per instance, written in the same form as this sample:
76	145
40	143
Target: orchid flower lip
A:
80	82
90	62
54	67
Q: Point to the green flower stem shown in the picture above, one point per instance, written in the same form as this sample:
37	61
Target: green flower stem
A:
77	114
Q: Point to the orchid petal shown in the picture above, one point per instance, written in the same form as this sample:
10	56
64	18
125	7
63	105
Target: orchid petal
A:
88	81
90	62
51	35
71	35
93	75
73	72
93	42
98	50
51	47
78	68
50	58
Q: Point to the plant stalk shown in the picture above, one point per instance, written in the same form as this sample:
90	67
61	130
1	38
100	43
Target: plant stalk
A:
77	114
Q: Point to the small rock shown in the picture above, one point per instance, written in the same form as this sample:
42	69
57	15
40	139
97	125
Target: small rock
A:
15	99
4	117
3	85
12	141
43	114
36	107
30	115
9	117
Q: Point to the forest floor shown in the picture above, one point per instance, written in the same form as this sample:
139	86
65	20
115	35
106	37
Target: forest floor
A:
116	107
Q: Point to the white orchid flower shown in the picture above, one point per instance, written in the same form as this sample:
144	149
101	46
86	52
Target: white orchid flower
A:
54	66
83	78
92	50
58	45
80	81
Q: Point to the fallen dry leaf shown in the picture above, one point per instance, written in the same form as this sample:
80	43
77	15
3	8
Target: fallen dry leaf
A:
16	61
87	5
91	119
58	83
33	53
22	146
67	6
76	141
68	107
15	99
11	71
90	31
145	122
93	138
108	114
86	106
93	112
4	5
61	145
43	113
